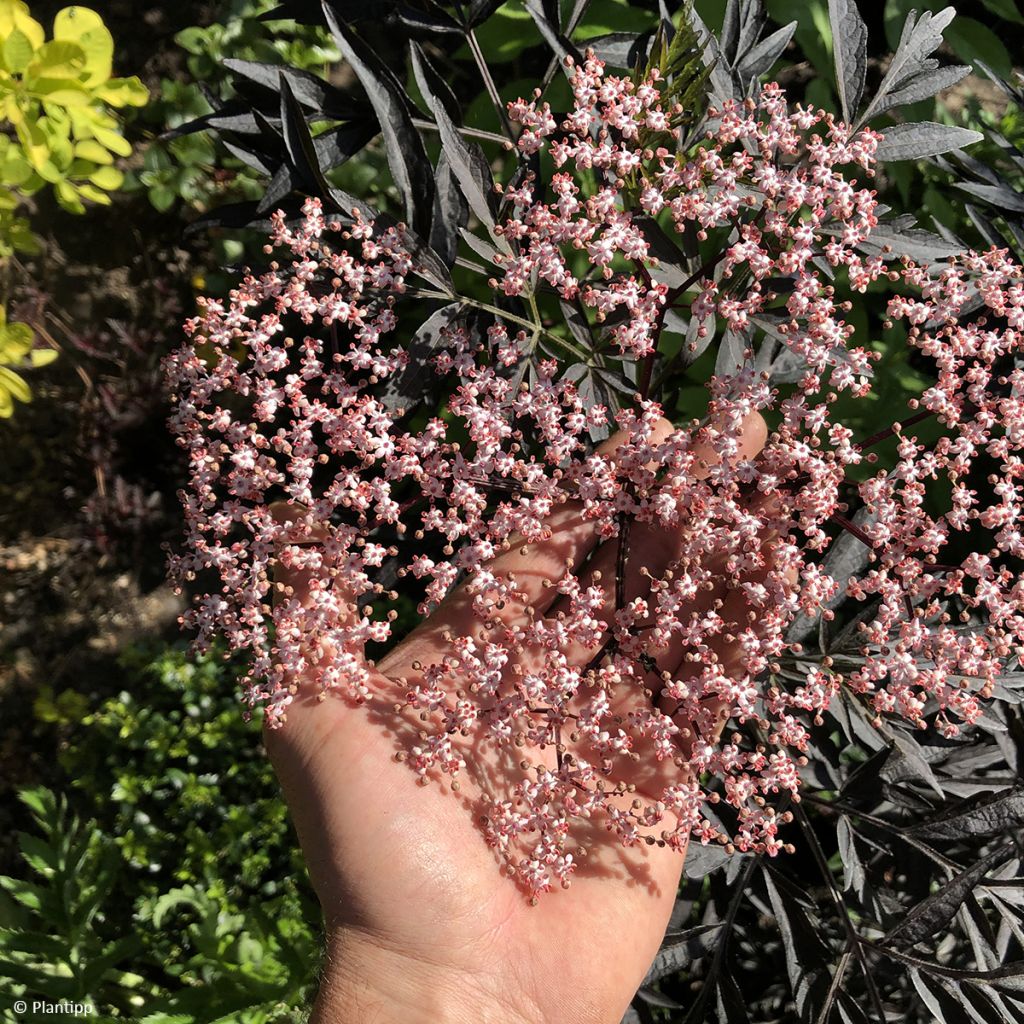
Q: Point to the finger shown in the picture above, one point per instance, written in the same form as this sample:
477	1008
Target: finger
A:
310	607
533	567
653	548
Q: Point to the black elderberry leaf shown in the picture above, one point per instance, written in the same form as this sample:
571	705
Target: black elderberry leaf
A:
283	183
932	914
423	23
467	160
1003	812
806	953
410	168
922	86
741	28
228	117
302	154
336	145
545	17
925	138
1001	196
407	388
850	46
907	763
311	91
898	237
690	945
250	157
576	321
943	1007
730	1006
760	59
849	1010
920	38
655	998
233	215
481	10
450	212
623	50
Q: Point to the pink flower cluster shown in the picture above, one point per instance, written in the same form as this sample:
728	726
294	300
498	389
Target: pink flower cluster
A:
280	397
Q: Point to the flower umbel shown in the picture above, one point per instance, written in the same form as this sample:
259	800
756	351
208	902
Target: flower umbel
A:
285	392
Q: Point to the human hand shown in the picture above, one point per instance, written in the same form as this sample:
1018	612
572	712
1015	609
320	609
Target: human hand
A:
422	925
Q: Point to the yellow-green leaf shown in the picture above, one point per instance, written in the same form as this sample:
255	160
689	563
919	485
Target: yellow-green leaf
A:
94	194
109	178
123	92
18	51
67	196
14	15
115	142
42	356
85	27
14	385
73	22
59	58
62	91
90	149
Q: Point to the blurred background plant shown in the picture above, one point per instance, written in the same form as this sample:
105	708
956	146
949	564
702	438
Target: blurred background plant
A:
168	810
60	133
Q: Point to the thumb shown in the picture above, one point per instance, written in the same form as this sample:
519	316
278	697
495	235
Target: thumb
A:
318	646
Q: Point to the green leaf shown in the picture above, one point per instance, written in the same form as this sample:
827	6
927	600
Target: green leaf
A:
162	197
28	895
39	800
1005	9
17	52
971	41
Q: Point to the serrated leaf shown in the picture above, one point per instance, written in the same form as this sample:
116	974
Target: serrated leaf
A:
731	353
806	954
996	195
922	86
299	143
451	211
1004	812
925	138
850	52
404	389
467	161
760	59
917	243
622	49
686	947
406	156
926	918
920	37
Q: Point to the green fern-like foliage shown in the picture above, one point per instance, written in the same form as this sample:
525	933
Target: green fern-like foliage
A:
51	941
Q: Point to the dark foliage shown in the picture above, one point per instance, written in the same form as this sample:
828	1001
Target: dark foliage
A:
903	901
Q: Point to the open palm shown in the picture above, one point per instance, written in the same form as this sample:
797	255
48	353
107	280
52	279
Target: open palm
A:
423	924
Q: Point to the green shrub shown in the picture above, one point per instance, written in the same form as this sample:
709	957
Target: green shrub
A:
63	938
169	767
58	131
184	898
